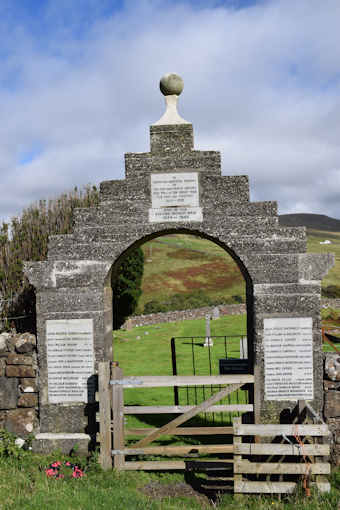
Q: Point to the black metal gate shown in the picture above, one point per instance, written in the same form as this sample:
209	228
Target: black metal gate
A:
196	355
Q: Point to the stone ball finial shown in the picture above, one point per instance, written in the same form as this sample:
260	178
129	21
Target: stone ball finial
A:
171	84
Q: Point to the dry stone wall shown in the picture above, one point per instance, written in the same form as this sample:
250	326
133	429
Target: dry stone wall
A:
181	315
18	383
331	303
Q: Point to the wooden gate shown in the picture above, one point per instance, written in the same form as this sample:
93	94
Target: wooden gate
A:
112	411
298	450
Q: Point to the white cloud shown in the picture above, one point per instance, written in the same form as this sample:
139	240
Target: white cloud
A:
261	85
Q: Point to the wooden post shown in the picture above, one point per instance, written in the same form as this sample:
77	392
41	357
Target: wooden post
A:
118	417
237	458
105	457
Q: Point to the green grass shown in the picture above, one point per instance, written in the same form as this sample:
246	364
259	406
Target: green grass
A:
24	486
151	355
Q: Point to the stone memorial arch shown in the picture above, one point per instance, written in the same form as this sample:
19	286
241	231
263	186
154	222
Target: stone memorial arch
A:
175	188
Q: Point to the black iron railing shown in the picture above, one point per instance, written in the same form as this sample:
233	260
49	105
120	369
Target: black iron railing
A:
201	355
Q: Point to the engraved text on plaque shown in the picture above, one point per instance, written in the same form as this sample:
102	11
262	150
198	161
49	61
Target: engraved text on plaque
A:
175	197
288	359
70	359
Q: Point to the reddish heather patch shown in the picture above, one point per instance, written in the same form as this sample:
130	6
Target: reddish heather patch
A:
215	275
185	254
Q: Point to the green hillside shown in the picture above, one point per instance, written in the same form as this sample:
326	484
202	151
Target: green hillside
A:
312	221
194	270
184	271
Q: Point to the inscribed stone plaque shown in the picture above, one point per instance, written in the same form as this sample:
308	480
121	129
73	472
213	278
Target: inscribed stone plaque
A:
175	197
175	214
178	189
288	359
70	359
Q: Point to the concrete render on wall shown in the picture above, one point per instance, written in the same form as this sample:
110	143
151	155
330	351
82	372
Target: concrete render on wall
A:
282	280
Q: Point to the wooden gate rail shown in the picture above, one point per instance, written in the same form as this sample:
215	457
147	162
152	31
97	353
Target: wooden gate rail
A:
112	411
248	467
161	381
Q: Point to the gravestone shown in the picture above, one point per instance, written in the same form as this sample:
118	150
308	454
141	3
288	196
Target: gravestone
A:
208	340
243	348
174	188
215	313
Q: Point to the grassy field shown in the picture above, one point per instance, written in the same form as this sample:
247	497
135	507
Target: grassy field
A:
25	486
152	344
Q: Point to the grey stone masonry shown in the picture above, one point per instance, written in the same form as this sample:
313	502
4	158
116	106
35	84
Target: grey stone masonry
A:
75	282
18	383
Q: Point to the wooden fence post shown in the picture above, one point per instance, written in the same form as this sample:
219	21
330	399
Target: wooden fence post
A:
118	417
237	458
105	457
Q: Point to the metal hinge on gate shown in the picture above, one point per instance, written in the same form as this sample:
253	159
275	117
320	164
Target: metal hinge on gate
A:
126	382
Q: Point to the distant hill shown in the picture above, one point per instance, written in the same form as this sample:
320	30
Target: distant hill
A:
312	221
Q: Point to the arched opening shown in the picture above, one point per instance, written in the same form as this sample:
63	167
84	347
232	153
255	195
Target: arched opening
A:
226	280
223	281
150	349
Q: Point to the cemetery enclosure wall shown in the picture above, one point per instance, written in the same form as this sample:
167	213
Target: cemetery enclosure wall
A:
180	315
199	313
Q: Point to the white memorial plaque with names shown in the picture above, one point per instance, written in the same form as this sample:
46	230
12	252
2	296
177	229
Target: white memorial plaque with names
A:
70	359
175	197
288	358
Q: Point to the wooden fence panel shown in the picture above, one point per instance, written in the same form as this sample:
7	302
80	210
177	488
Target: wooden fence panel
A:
315	466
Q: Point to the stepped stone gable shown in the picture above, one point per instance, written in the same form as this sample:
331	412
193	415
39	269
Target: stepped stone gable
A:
74	283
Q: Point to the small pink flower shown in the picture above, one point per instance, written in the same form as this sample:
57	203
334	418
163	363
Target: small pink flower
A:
77	473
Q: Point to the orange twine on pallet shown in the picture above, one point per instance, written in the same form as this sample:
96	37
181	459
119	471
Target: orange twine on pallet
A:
307	473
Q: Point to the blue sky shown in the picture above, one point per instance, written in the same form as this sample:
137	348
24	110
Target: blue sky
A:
79	87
